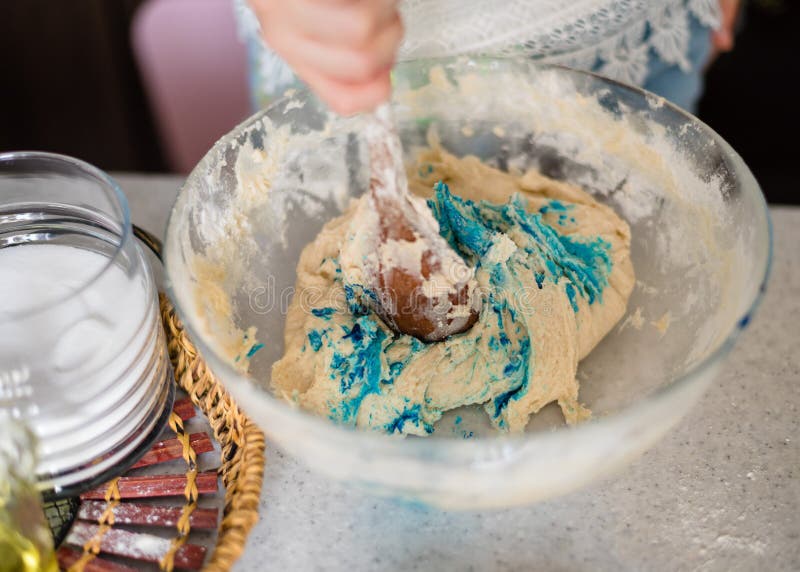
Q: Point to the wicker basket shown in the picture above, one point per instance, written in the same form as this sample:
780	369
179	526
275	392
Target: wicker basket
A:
242	468
241	471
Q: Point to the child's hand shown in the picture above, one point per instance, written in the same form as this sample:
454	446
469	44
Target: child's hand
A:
343	49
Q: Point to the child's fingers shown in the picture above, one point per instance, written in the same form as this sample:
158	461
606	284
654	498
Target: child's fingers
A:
348	98
343	49
345	23
339	63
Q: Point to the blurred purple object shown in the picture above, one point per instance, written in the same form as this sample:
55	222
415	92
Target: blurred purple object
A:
195	73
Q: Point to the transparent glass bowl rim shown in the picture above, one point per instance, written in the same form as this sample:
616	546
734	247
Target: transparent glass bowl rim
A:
451	446
121	203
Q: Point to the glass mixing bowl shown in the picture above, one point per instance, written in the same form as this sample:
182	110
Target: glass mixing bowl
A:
701	250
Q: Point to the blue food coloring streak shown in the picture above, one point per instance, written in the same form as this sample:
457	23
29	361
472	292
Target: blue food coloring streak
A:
570	289
359	299
555	205
359	369
518	366
471	228
254	349
408	415
315	340
466	234
394	370
563	219
324	313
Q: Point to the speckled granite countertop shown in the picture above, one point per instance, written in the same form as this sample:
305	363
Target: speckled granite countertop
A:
720	492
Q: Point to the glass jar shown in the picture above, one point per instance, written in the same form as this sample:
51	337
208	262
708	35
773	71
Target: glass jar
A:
82	354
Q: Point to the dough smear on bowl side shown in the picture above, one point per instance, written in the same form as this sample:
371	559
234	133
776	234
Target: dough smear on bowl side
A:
552	265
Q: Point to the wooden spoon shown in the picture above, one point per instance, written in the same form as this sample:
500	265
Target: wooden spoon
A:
424	288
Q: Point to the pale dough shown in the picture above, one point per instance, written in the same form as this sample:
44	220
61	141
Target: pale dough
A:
554	267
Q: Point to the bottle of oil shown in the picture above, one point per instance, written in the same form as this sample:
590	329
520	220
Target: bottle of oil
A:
26	544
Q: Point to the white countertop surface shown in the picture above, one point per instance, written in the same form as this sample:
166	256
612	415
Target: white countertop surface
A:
720	492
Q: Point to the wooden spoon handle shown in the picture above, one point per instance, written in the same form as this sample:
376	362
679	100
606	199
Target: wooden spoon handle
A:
388	186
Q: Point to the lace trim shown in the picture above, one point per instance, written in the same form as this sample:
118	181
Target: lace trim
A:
665	30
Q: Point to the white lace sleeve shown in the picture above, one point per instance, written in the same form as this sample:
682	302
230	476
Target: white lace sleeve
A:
611	36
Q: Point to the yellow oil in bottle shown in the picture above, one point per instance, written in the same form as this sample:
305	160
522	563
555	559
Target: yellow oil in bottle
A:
25	541
20	554
26	544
